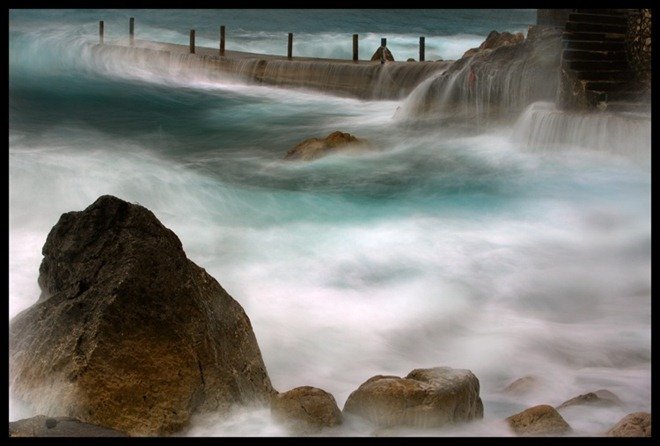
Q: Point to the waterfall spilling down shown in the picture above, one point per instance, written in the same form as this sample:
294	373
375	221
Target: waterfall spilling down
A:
494	84
543	126
243	243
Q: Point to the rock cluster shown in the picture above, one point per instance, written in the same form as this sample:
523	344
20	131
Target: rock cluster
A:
129	337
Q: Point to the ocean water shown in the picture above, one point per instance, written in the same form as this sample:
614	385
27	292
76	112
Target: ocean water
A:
510	250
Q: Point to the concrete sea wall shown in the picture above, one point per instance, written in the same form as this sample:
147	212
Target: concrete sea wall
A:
363	79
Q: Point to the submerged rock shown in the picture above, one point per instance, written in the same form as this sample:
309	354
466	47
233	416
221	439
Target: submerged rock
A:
314	148
128	333
637	424
306	409
425	398
538	421
42	426
524	385
600	397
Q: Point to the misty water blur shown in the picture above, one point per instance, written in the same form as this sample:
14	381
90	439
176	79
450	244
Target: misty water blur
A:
514	250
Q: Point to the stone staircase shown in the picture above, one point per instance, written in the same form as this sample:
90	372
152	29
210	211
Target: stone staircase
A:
594	64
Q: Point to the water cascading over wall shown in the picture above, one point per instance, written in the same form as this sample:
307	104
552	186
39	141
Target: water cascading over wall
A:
492	84
543	127
392	80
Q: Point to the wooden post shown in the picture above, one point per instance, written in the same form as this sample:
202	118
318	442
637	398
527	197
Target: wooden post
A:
131	31
222	40
355	47
421	49
383	44
289	50
192	41
101	32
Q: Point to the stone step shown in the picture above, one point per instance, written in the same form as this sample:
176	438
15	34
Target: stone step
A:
602	11
583	17
593	55
595	27
629	106
595	65
598	45
621	95
583	35
607	86
602	75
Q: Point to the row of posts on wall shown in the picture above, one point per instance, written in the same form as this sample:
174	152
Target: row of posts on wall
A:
289	51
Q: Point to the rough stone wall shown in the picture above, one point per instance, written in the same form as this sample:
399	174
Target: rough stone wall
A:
638	44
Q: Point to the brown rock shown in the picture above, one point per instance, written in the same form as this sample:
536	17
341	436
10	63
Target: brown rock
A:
538	421
471	52
379	52
637	424
128	333
314	148
496	40
42	426
425	398
600	397
306	409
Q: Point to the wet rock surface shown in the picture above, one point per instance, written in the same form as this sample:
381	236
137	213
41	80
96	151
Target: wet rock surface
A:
424	398
496	40
42	426
128	333
602	397
314	148
306	409
542	420
636	424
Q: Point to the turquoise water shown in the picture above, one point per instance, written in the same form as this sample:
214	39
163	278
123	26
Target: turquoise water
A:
439	247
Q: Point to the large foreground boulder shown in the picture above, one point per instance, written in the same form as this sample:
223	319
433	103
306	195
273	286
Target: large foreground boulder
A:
425	398
314	148
636	424
42	426
128	333
306	409
542	420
